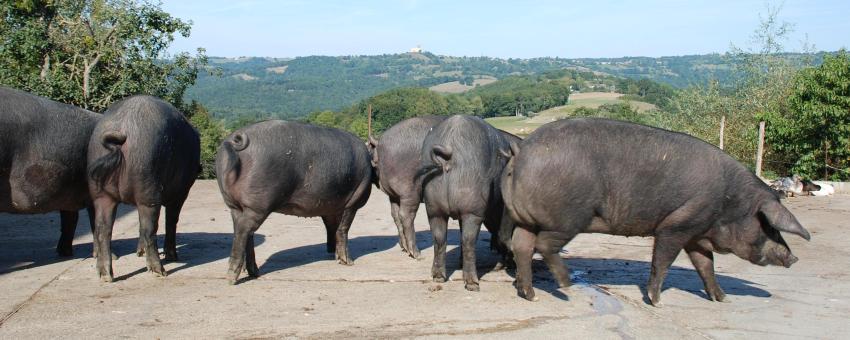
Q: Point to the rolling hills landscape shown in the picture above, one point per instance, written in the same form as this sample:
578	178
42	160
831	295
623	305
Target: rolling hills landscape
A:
255	88
524	125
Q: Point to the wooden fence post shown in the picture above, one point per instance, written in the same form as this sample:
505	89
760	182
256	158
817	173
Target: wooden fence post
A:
722	130
369	120
826	161
760	149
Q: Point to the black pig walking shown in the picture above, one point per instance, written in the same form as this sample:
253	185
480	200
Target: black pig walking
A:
602	176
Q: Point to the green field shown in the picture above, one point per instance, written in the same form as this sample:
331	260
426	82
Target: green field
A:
522	126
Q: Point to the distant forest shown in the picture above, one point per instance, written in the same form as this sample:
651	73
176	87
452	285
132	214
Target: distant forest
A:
256	88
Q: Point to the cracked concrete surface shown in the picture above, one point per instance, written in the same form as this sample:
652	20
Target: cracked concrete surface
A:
303	293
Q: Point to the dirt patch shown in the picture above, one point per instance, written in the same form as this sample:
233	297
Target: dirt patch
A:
278	70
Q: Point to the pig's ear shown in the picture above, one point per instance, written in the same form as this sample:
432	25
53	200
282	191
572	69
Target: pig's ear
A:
374	160
512	151
781	219
441	155
372	145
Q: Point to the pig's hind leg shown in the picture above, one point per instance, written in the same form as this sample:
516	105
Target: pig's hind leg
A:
439	228
245	223
172	216
470	227
68	220
406	214
342	251
549	244
331	225
522	245
394	208
148	220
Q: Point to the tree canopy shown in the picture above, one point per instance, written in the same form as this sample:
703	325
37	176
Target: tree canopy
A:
814	135
90	53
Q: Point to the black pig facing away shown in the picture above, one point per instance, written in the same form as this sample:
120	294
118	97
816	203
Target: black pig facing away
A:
462	162
396	159
143	152
295	169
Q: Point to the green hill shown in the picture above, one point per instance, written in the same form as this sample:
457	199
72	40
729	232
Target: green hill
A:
252	88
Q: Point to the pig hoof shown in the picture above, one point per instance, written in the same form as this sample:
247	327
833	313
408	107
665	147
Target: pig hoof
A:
656	302
343	258
157	270
719	297
529	295
232	278
473	287
439	279
106	278
253	272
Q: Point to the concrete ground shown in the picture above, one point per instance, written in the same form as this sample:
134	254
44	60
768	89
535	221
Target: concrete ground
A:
303	293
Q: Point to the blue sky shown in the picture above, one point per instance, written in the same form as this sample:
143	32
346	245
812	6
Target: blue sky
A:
518	29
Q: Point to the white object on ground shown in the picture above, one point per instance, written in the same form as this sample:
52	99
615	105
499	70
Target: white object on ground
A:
825	189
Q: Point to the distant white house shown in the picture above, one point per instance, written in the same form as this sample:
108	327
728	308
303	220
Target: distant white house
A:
417	49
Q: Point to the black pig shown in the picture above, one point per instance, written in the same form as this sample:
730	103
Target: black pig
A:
463	158
295	169
143	152
602	176
396	161
43	159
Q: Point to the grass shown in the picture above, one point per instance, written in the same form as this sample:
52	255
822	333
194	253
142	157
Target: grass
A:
519	126
522	126
457	87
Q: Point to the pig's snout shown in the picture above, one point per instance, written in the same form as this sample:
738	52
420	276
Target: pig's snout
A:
791	259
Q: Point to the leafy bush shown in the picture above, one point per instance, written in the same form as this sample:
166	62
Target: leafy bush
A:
212	132
814	135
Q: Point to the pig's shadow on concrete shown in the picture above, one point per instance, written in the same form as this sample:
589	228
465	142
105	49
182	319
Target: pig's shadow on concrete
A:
620	272
364	245
29	241
193	249
196	249
303	255
486	260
